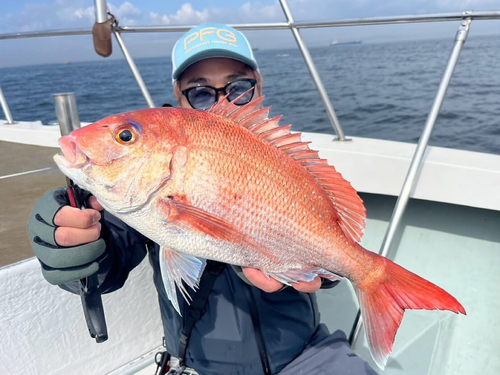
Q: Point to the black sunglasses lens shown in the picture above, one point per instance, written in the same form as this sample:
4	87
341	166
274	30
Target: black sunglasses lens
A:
237	88
201	97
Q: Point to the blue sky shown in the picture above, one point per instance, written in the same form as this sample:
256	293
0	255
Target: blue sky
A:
33	15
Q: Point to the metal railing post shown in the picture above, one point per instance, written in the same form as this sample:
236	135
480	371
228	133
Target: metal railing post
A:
69	120
6	109
101	11
314	73
417	161
101	16
133	67
66	112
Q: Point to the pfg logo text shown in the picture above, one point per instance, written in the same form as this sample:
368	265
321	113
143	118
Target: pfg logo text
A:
222	34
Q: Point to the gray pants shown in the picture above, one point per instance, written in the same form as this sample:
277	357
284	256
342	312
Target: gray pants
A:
330	356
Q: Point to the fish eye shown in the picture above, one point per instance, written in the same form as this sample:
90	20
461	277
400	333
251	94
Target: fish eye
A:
125	136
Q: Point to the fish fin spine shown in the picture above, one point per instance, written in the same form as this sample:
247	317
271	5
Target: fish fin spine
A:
383	303
351	213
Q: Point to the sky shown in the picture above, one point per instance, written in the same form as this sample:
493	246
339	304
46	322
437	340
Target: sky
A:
35	15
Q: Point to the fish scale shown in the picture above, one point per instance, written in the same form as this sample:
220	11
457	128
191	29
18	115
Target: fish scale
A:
261	195
231	185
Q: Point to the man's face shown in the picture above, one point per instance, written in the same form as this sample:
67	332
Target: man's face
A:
216	72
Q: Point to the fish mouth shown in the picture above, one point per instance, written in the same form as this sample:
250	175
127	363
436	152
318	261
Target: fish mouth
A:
72	156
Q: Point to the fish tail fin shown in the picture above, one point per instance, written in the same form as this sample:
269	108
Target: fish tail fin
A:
383	301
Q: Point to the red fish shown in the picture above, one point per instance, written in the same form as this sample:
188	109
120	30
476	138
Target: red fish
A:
232	185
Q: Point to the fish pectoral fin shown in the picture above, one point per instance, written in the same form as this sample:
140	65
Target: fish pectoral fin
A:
177	267
296	275
193	218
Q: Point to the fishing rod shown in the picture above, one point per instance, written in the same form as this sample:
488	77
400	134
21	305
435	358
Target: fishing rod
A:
68	119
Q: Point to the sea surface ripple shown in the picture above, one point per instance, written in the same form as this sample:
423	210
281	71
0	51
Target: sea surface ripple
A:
381	90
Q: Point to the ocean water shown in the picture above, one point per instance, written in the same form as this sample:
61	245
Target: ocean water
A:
377	90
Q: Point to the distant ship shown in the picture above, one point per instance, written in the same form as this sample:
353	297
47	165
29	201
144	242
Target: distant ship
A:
337	43
255	49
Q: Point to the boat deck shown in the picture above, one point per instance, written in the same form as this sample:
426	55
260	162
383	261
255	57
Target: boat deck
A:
20	192
449	235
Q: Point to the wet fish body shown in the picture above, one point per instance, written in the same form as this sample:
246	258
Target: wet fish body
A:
232	185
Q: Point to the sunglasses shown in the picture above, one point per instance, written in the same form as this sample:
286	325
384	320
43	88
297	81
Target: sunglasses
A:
203	97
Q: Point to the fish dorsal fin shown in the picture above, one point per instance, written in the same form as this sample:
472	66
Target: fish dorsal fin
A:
351	212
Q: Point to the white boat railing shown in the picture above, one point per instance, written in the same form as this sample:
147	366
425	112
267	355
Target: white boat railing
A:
417	161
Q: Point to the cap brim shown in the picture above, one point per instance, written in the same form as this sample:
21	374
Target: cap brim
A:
211	53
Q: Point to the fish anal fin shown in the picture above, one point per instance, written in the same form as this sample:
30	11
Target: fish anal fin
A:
177	268
307	275
178	211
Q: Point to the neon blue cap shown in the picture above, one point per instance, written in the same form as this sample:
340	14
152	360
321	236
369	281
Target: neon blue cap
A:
210	40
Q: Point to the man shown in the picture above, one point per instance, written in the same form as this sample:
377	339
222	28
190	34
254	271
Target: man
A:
241	327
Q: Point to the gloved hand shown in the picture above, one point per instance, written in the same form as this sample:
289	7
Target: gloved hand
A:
65	239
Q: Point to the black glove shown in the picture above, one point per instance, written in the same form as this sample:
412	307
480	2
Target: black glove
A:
60	264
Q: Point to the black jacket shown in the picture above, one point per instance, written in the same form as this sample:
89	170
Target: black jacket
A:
223	340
